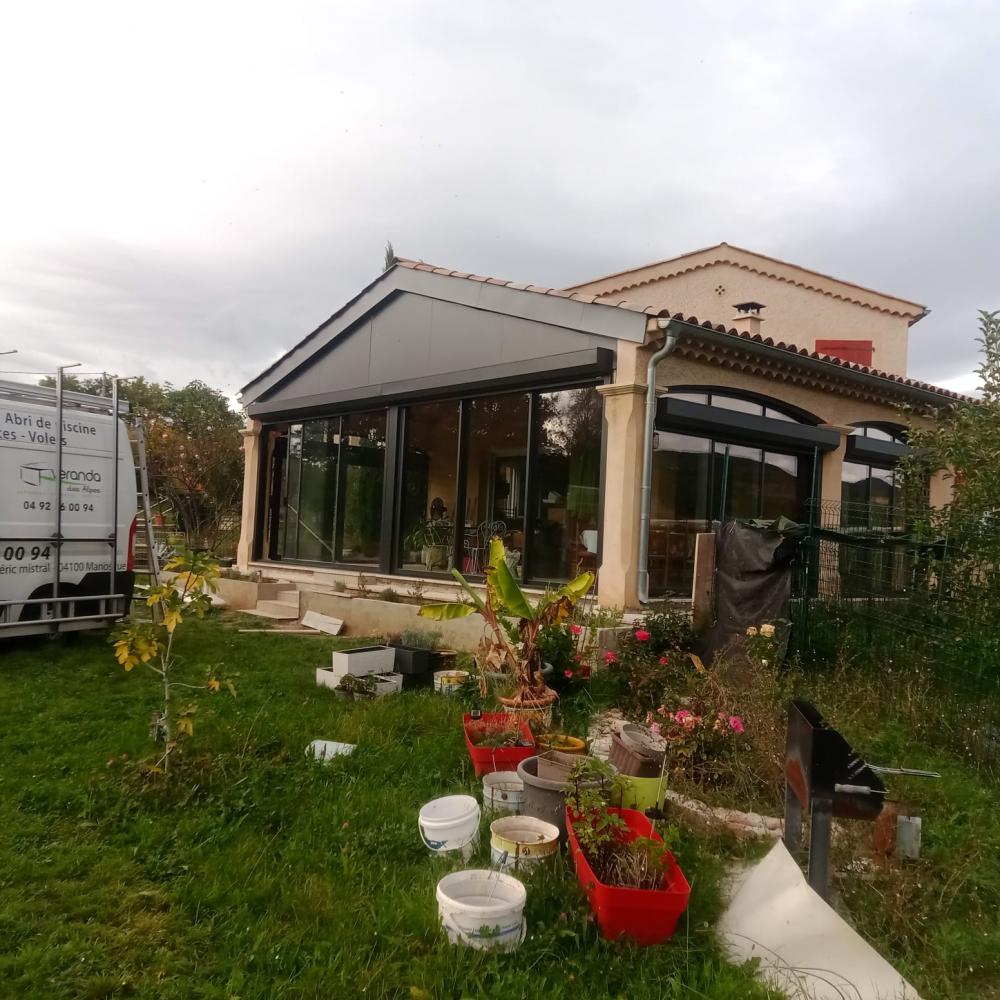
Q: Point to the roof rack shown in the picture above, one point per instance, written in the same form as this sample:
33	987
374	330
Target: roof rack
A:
24	392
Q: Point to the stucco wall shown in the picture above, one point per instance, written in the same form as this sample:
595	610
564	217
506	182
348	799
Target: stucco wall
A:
792	314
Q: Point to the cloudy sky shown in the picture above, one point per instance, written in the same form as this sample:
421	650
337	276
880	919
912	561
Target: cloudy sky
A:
187	189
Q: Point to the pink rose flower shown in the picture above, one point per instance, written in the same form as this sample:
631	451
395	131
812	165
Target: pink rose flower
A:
649	718
662	710
567	673
736	724
664	661
610	657
681	716
642	635
576	629
655	728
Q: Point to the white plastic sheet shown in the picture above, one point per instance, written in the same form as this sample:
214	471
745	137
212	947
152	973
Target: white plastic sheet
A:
804	947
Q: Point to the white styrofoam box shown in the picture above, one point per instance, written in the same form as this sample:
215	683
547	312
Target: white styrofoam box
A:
324	750
388	684
325	677
322	623
366	660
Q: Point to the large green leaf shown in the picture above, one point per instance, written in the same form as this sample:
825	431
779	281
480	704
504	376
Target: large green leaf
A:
447	611
576	589
474	597
506	588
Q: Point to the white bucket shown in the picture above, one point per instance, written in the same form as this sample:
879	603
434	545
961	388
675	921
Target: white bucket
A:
503	791
482	909
522	842
450	823
449	682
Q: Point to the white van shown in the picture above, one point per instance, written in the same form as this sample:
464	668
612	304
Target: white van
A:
84	492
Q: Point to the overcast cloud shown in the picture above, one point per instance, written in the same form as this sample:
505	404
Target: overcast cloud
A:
187	189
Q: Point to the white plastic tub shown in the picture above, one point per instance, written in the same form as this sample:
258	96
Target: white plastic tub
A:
518	842
503	791
482	909
450	823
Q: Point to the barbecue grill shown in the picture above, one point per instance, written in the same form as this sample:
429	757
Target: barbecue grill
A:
826	777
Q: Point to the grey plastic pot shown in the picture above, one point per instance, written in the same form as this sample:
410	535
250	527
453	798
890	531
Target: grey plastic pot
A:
545	799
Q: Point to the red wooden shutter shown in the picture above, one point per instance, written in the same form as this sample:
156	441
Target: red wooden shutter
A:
858	352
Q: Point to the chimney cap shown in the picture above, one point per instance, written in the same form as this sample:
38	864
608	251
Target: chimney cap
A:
752	308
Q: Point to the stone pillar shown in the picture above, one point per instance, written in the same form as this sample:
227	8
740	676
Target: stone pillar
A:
624	413
830	493
251	469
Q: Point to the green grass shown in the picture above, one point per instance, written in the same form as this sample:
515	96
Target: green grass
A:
255	873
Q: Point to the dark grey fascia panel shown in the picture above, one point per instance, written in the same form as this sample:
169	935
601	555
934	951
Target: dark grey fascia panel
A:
871	451
595	362
744	428
584	317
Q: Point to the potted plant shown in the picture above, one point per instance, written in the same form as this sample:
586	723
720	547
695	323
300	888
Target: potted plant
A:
497	741
633	883
497	650
433	539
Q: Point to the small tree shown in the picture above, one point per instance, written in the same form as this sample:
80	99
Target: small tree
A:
963	440
497	650
186	593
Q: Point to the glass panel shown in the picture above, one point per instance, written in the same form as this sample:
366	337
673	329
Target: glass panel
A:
742	485
854	495
679	510
496	456
881	492
878	434
318	490
567	483
288	531
360	510
741	405
782	492
689	397
773	414
427	491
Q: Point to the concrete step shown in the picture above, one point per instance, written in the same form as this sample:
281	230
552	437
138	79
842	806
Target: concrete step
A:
279	610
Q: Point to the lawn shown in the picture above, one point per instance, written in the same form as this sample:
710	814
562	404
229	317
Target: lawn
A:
256	873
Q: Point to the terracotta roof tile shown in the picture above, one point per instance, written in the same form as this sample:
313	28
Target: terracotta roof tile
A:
694	321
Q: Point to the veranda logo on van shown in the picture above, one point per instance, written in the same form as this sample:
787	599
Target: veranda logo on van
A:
36	474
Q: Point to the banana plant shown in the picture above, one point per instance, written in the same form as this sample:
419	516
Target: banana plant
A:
504	596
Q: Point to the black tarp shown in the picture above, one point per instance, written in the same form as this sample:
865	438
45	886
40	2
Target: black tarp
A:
753	583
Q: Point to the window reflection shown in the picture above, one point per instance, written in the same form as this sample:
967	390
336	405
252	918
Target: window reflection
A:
428	487
566	495
360	508
496	463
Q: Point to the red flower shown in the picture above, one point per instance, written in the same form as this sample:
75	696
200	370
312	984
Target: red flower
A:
610	657
663	661
576	629
642	635
567	673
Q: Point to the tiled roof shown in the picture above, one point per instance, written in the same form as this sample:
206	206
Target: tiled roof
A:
561	293
693	321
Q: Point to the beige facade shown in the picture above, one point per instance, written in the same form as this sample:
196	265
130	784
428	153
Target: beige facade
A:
801	306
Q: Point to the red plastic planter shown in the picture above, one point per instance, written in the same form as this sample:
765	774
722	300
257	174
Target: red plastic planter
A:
486	760
648	916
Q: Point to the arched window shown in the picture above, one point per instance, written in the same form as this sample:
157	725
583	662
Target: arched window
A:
707	469
869	491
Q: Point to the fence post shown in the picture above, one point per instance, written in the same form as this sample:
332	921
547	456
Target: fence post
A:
703	585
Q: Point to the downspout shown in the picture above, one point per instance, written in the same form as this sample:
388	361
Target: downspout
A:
646	496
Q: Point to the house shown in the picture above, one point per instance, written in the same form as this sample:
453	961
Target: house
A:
437	408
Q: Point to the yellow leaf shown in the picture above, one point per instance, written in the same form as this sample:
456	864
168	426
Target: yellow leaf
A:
232	688
185	727
171	619
213	685
696	660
